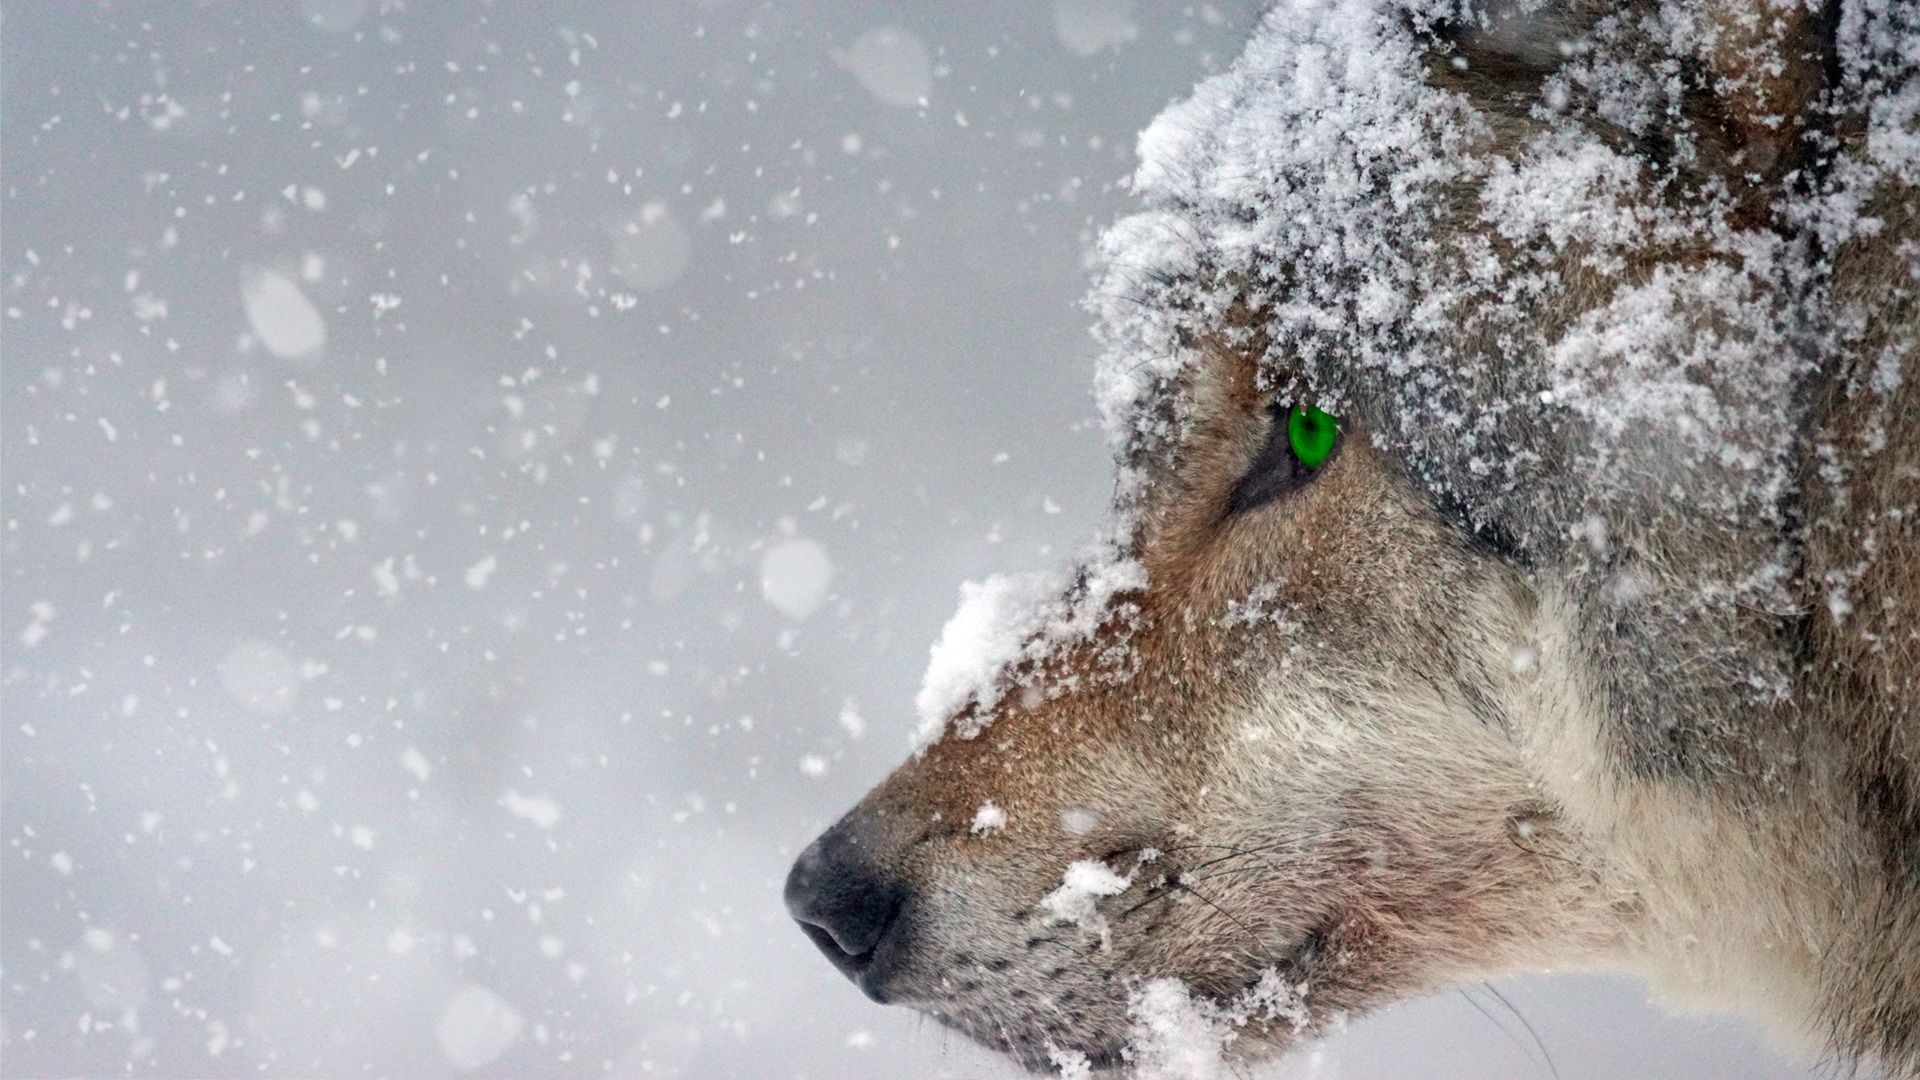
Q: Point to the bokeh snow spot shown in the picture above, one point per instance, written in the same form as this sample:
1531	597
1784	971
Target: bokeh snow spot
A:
891	64
333	16
111	972
476	1027
1086	27
651	249
794	575
482	572
540	810
261	677
851	721
285	321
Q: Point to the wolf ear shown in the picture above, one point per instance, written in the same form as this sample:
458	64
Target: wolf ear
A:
1725	90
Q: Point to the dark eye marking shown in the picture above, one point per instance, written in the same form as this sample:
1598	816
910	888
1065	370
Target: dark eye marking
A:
1300	442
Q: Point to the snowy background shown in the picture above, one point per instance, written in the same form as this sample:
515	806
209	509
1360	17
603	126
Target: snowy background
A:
480	484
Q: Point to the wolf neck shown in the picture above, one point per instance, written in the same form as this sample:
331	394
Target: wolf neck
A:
1729	890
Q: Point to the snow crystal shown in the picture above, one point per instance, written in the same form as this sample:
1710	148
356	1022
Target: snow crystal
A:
36	631
261	677
988	818
1073	1064
1086	27
794	576
1082	886
476	1027
891	64
540	810
285	321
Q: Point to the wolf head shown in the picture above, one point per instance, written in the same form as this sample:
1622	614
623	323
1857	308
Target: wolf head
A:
1460	371
1285	756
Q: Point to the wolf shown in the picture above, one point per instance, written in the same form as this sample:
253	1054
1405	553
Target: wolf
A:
1514	562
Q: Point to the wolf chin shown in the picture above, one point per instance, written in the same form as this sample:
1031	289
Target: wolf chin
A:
1584	631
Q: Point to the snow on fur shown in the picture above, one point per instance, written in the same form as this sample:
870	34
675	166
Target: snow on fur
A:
1003	621
989	818
1177	1036
1084	884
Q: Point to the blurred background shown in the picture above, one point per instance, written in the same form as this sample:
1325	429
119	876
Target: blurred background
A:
480	483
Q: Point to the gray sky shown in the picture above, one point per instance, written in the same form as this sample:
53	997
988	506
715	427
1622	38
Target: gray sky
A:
480	484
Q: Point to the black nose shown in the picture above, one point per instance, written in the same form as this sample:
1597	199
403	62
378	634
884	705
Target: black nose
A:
846	904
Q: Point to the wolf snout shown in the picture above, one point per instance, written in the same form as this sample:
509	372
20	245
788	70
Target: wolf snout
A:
848	905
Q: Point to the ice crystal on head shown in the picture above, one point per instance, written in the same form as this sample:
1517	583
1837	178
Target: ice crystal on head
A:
1008	620
987	632
1877	42
989	818
1314	151
1545	327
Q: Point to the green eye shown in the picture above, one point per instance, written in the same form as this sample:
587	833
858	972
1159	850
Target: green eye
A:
1310	432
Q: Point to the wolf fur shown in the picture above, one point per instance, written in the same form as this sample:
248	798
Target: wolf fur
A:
1595	643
